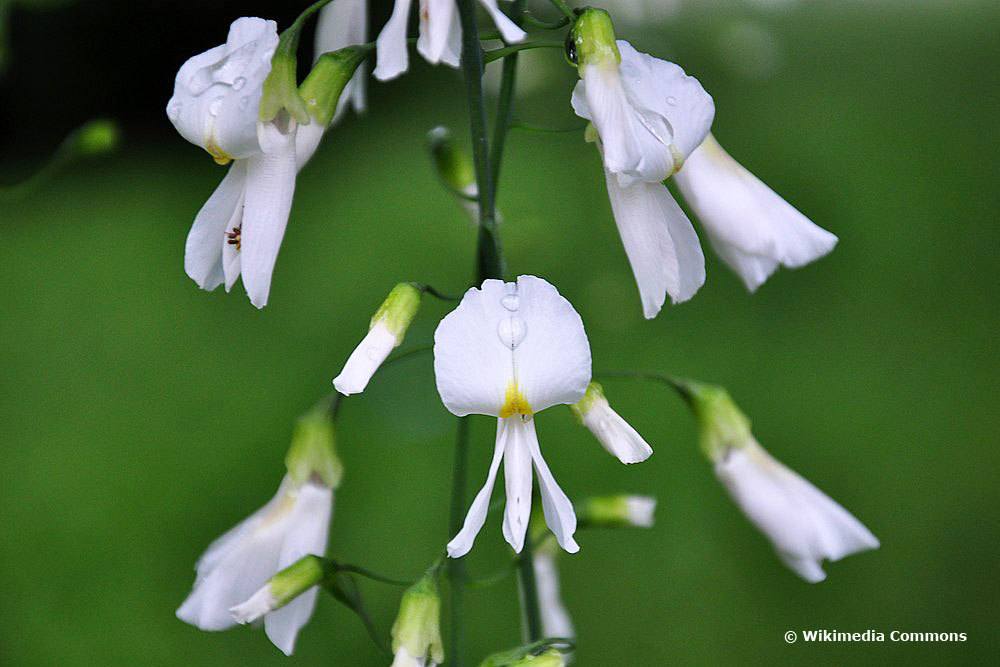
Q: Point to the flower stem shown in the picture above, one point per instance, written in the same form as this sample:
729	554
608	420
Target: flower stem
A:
508	51
530	613
456	566
505	106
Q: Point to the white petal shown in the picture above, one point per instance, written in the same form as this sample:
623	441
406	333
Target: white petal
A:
392	58
307	140
558	509
231	255
517	479
475	362
660	242
556	621
640	510
254	608
437	20
615	434
463	541
217	93
507	28
402	658
663	93
633	148
804	525
749	226
345	23
365	360
205	241
306	535
270	187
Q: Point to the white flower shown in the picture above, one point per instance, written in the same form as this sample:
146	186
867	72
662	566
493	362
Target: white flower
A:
238	231
511	350
648	116
614	433
237	565
750	227
556	621
345	23
440	37
804	524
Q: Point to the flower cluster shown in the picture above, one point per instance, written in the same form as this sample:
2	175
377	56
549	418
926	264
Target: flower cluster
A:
511	349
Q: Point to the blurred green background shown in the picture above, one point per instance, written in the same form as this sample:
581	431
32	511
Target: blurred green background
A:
142	417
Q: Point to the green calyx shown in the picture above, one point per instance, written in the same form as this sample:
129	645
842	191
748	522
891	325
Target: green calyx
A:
604	511
418	625
594	393
591	41
453	165
398	309
722	424
296	579
539	654
96	137
313	454
326	81
281	90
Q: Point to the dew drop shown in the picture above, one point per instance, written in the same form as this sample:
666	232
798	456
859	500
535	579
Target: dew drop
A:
512	331
671	100
239	83
511	302
215	106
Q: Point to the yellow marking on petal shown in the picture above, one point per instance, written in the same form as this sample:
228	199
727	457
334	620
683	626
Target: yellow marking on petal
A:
515	403
220	156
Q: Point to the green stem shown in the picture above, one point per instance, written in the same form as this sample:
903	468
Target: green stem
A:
506	51
505	105
456	566
531	614
677	384
564	8
374	576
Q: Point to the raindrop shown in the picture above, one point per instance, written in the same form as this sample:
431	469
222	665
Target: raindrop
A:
511	302
239	83
215	106
671	100
512	331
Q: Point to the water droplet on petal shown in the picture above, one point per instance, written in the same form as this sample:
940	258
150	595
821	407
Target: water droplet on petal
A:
215	106
511	302
512	331
671	100
239	83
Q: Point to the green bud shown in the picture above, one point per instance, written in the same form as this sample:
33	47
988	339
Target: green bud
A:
454	166
323	86
618	511
594	393
417	629
313	453
96	137
592	40
398	309
281	91
721	423
525	657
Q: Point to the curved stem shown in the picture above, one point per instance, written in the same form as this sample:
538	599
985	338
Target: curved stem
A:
506	51
564	8
505	105
374	576
675	383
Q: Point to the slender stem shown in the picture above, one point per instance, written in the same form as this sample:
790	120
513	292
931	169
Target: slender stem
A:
505	105
507	51
456	566
677	384
530	612
374	576
564	8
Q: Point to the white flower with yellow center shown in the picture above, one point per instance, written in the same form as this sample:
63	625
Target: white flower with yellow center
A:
440	38
647	117
750	227
217	95
511	350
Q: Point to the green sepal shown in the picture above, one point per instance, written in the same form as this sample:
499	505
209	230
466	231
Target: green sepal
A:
296	579
313	454
326	81
281	90
453	165
722	425
398	309
592	40
418	624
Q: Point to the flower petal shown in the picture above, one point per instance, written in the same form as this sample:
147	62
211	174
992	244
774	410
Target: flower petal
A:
662	93
615	434
517	435
558	509
751	228
438	18
507	28
270	187
556	621
463	541
345	23
365	360
205	242
660	242
392	58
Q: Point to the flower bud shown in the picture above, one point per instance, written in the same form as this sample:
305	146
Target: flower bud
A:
721	424
521	657
281	91
614	433
280	589
618	511
386	331
592	40
323	86
453	165
96	137
312	455
416	634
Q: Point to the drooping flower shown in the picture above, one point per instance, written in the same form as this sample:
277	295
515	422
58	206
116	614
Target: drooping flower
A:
440	39
345	23
614	433
416	633
511	350
618	511
647	116
385	332
291	525
750	227
556	621
802	523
